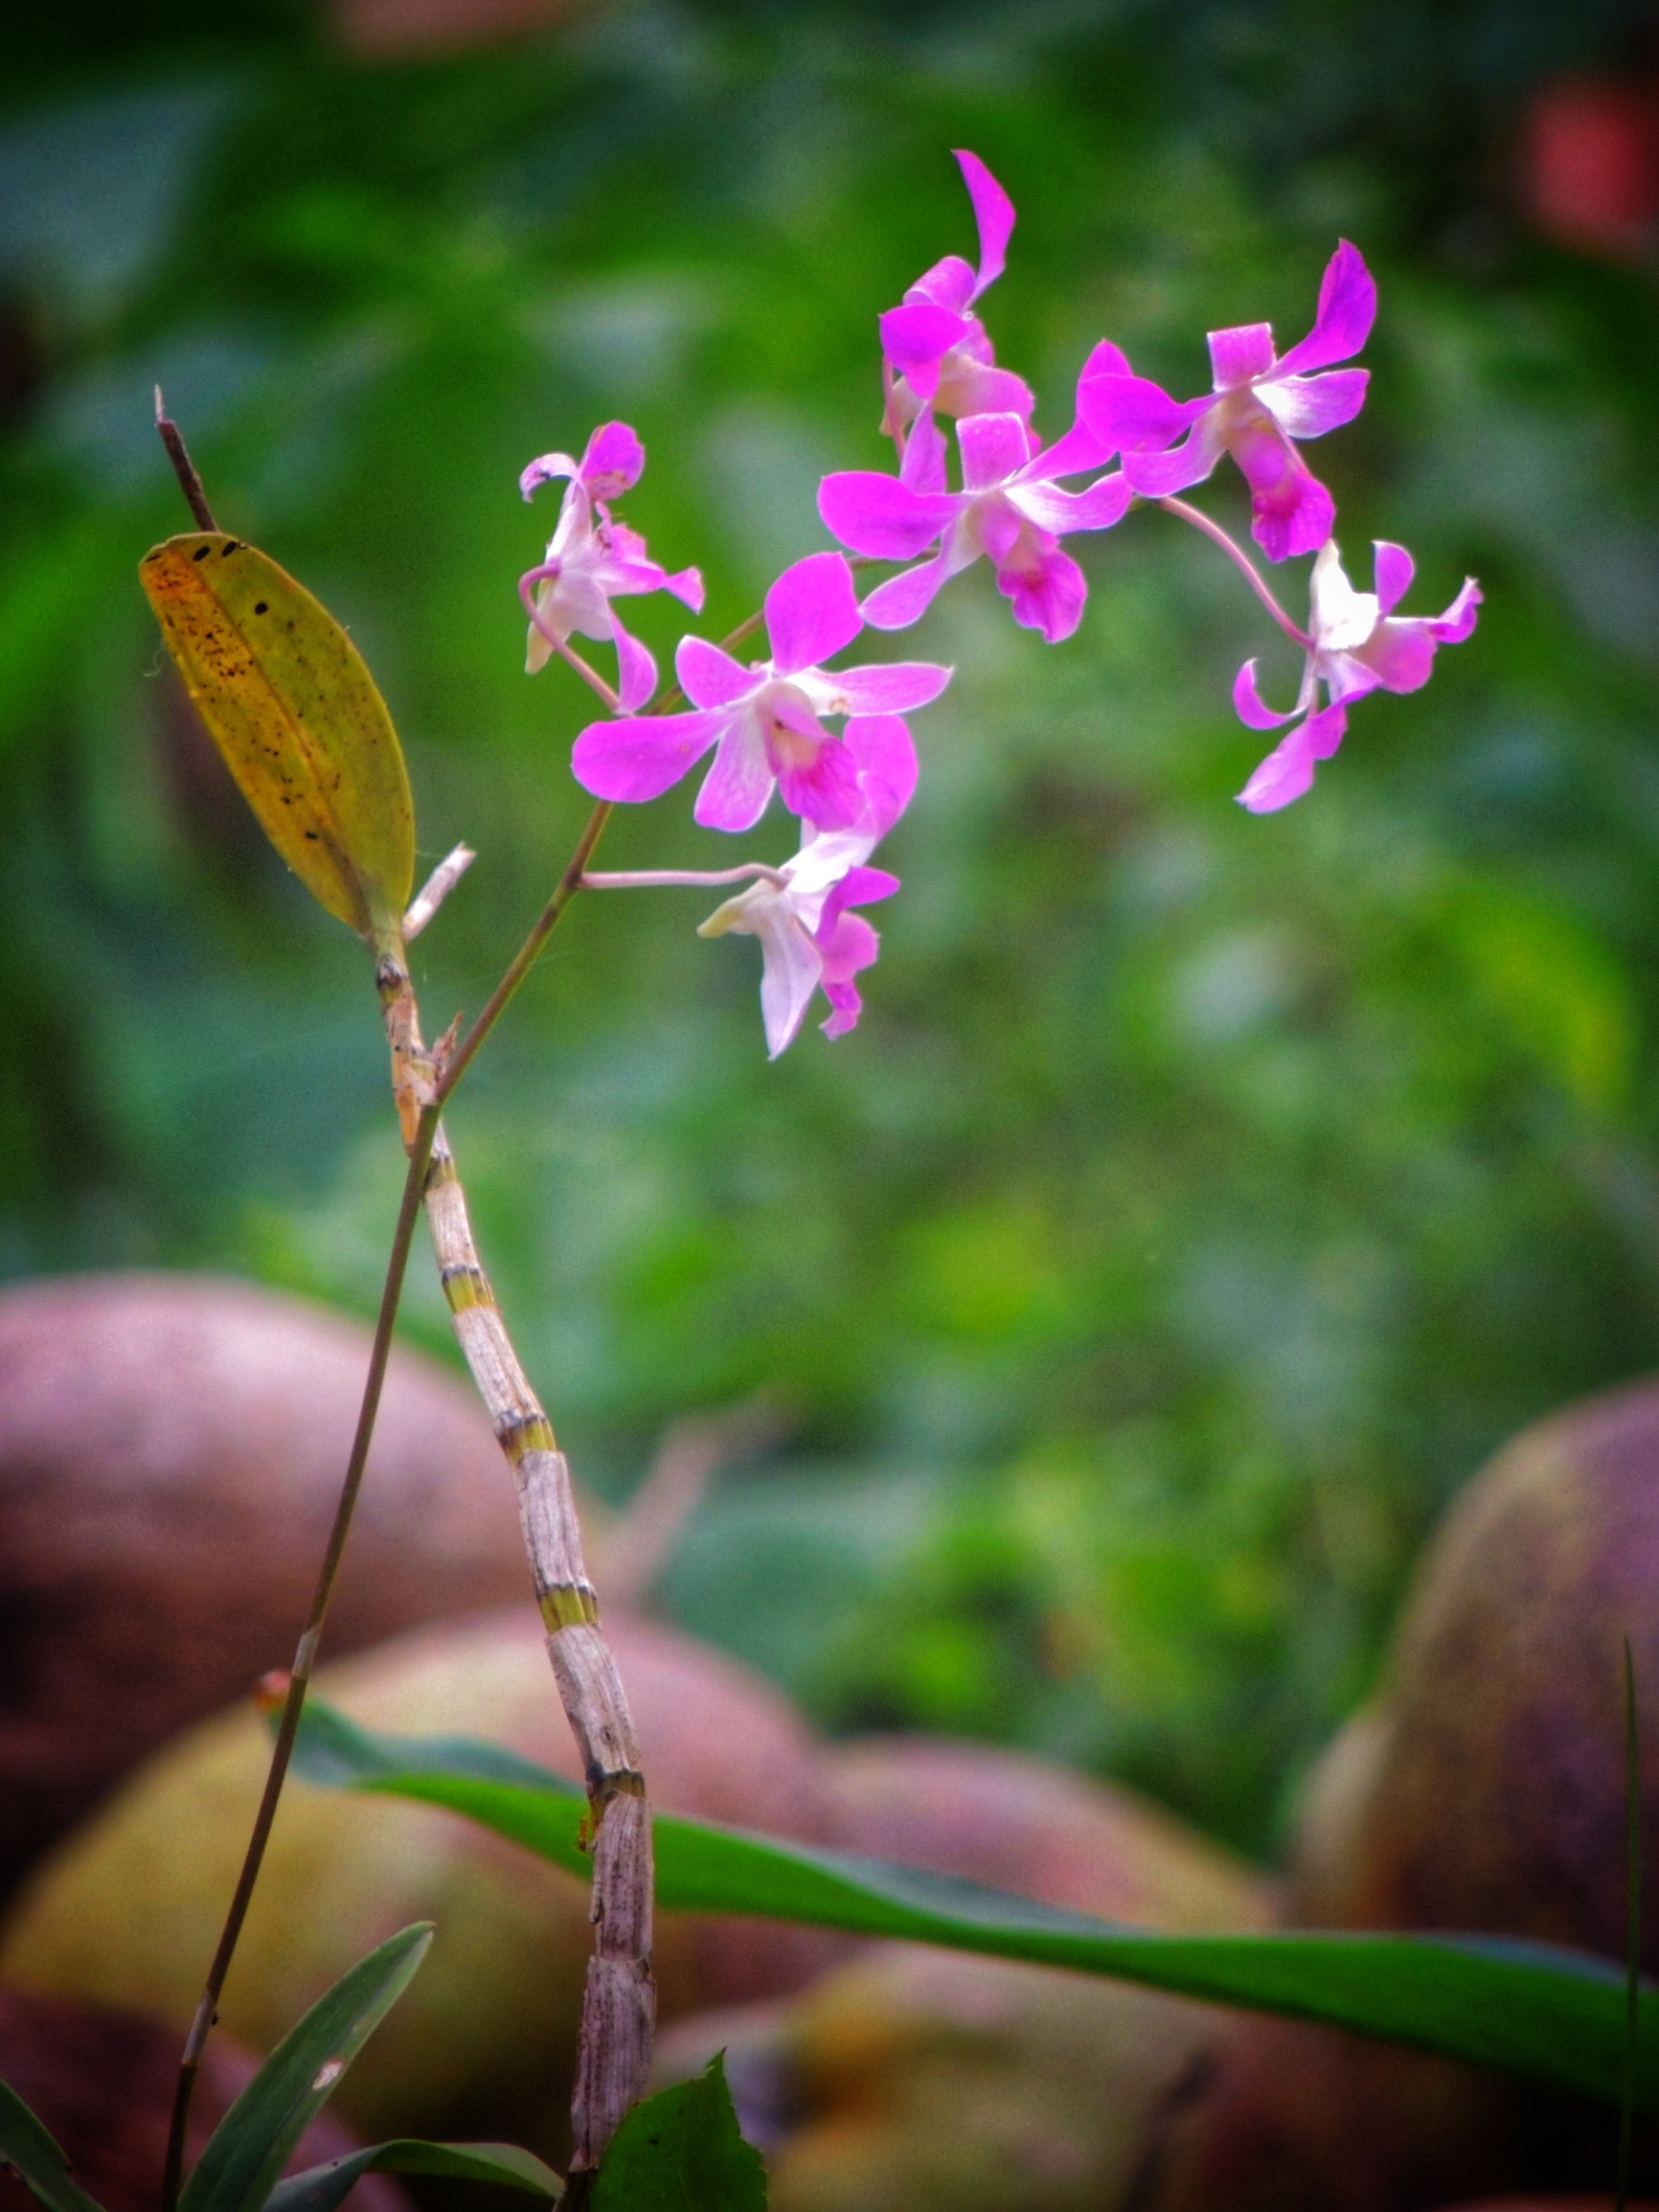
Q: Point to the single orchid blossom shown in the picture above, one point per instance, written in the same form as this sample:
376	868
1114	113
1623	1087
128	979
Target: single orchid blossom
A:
1009	508
809	936
939	352
1261	403
763	721
1358	644
593	558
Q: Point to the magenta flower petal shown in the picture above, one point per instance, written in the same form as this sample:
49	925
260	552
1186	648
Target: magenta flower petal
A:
992	447
739	783
879	517
811	613
992	212
884	756
1459	619
1288	772
1346	311
636	669
916	338
709	676
967	388
1048	597
1398	655
635	759
543	469
613	462
1291	510
1133	415
822	787
1250	706
1309	406
1079	448
1240	354
890	687
905	598
922	470
1156	476
687	586
1107	360
1097	508
1394	571
950	283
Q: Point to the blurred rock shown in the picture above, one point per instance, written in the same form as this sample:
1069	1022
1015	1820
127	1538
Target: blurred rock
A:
1485	1790
170	1452
916	2080
127	1910
103	2083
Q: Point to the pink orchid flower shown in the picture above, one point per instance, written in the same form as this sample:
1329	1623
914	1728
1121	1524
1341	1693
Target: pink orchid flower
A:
763	721
809	937
1358	644
593	558
937	348
1009	508
1261	406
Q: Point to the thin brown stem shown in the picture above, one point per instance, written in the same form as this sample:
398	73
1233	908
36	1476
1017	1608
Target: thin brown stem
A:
183	467
1243	562
305	1656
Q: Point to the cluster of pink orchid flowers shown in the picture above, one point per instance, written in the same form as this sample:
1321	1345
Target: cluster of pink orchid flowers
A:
765	723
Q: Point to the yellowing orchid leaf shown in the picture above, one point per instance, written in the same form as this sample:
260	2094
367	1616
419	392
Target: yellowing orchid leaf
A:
292	707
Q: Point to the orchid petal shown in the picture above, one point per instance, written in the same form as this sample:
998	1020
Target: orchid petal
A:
1156	476
997	526
1249	705
968	387
1098	508
792	968
1291	510
950	283
916	338
992	212
1309	406
1049	598
1241	353
1133	415
1459	619
824	787
887	686
1393	574
992	447
1107	360
880	516
639	757
884	756
1288	772
811	613
922	470
709	675
1346	311
613	461
1079	448
906	598
687	586
739	783
544	471
636	669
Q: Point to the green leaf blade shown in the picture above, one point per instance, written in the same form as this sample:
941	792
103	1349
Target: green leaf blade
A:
253	2142
320	2189
683	2150
28	2147
1531	2009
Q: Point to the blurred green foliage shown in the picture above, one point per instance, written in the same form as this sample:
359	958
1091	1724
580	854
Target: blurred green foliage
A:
1202	1195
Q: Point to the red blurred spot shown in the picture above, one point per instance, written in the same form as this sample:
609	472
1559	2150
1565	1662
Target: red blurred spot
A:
1590	163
